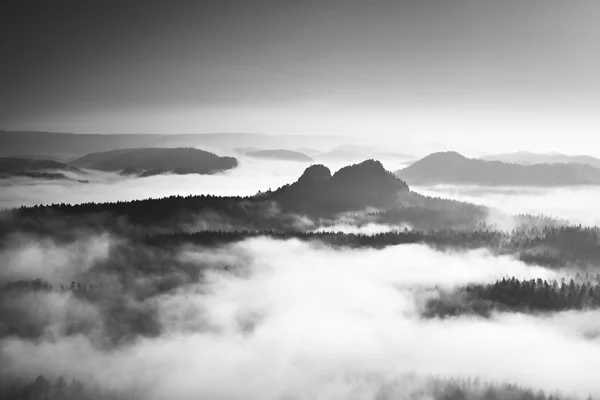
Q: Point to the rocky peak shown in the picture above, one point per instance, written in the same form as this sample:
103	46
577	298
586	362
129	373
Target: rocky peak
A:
316	172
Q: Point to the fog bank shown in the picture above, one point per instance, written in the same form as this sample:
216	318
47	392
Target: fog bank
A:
289	319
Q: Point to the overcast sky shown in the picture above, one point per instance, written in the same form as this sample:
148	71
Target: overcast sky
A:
504	75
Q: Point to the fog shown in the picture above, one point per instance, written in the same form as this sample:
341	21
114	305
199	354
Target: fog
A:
272	319
295	320
366	229
246	180
27	257
358	224
350	288
578	205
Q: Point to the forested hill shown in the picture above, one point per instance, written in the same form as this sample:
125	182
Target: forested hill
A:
453	168
316	198
176	160
17	164
38	168
357	186
514	295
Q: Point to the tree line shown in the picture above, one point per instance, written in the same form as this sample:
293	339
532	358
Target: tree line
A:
43	285
42	388
552	246
514	295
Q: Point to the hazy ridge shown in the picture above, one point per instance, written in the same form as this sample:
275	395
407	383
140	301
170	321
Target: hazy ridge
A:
453	168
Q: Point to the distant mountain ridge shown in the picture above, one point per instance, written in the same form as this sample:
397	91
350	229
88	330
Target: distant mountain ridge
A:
350	153
529	158
74	145
453	168
157	160
34	168
278	154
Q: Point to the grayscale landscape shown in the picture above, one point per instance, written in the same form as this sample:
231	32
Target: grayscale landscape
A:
284	200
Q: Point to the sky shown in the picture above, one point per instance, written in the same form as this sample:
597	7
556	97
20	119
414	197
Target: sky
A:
502	75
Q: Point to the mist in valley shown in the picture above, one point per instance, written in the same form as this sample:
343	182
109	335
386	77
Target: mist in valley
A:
282	318
284	200
294	320
117	301
576	204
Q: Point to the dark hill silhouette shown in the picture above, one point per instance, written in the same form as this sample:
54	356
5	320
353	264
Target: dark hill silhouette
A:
454	168
157	160
357	186
529	158
316	194
279	154
34	168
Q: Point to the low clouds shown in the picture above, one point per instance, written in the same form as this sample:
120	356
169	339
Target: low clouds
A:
27	257
577	204
246	180
273	319
292	320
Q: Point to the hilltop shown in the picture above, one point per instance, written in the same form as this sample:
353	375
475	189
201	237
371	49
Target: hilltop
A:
453	168
157	160
357	186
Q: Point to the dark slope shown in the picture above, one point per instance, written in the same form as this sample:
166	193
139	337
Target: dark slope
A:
34	168
453	168
176	160
529	158
279	154
357	186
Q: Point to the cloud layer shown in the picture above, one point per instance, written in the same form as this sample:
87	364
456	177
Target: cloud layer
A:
294	320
